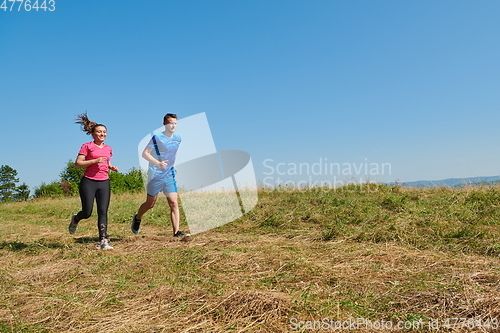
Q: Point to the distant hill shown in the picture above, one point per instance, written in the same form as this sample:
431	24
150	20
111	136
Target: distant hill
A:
454	182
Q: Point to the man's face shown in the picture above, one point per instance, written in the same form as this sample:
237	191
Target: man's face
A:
171	125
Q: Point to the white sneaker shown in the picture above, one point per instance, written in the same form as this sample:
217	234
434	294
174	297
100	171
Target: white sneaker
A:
104	245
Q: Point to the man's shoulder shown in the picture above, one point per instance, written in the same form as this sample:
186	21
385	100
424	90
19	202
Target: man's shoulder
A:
162	137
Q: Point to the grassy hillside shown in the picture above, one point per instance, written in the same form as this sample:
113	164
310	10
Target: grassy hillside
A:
301	261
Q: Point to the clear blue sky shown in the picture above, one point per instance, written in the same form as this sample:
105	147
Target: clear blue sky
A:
411	83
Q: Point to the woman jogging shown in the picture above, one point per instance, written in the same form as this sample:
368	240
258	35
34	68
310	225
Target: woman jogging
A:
95	157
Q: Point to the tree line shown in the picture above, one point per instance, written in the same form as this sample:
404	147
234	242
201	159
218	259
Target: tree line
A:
9	191
66	185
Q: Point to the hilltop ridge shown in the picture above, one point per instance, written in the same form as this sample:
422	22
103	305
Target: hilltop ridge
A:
452	182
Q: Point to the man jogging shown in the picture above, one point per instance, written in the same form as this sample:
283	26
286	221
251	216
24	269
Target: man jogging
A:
160	152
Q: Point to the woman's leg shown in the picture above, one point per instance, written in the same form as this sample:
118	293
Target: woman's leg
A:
87	190
103	196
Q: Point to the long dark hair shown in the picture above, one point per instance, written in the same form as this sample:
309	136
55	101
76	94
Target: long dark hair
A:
88	125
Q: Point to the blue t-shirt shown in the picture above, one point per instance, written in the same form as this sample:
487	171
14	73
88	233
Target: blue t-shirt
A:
167	147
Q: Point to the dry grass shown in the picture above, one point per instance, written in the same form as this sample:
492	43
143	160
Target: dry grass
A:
392	254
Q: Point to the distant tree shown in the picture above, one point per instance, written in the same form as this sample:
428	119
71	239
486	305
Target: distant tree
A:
22	192
49	190
134	180
71	173
8	182
126	182
70	178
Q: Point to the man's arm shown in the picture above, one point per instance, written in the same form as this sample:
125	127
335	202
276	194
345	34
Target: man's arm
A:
146	154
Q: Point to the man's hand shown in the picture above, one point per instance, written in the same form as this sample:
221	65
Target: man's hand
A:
163	164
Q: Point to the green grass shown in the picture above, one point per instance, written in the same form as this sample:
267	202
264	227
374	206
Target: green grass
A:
379	253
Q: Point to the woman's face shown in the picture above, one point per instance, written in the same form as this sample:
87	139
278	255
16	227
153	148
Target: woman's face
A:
99	133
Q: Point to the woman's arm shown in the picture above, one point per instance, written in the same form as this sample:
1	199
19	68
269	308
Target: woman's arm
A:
112	167
81	162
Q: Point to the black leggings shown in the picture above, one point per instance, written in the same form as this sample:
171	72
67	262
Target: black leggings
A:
100	190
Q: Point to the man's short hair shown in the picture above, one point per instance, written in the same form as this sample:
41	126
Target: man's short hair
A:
169	115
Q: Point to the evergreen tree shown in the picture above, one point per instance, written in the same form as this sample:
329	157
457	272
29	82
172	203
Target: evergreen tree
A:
8	182
22	192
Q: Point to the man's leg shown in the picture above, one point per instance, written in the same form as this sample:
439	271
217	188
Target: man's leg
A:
136	220
147	205
174	210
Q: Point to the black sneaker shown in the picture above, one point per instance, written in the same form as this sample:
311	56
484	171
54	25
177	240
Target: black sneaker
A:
135	225
73	225
180	234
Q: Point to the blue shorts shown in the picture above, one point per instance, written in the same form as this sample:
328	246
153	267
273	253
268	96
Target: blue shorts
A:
166	184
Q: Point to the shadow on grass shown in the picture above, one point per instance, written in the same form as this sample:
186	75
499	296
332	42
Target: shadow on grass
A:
85	240
19	246
13	246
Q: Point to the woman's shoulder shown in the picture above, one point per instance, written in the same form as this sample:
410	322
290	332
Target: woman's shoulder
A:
87	145
85	149
108	148
91	146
